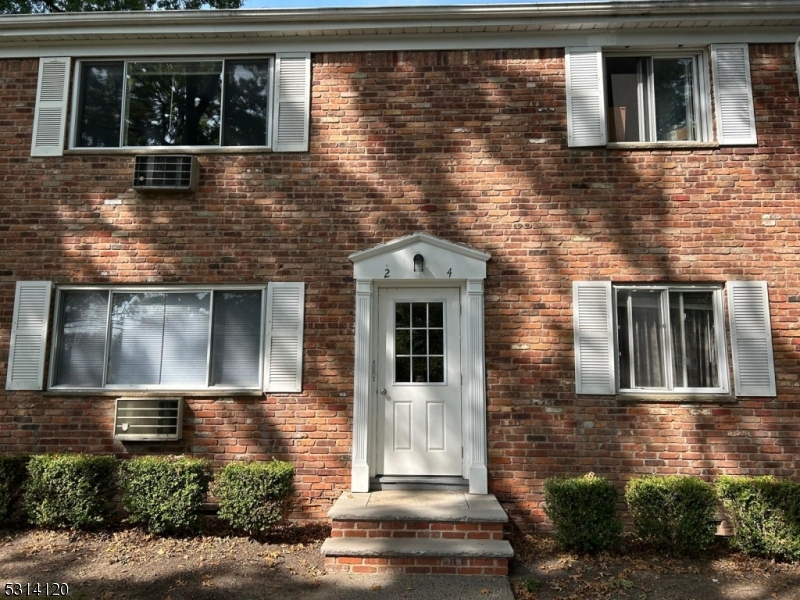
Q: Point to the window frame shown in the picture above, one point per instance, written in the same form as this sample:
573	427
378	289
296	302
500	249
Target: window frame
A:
720	342
76	102
701	82
111	289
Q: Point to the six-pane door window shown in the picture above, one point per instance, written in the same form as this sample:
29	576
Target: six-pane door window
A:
158	339
173	103
670	339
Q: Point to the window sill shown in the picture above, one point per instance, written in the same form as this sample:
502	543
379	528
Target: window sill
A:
634	397
155	393
662	145
172	150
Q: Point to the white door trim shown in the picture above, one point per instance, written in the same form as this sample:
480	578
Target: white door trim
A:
446	265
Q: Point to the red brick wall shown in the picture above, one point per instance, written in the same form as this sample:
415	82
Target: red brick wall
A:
468	146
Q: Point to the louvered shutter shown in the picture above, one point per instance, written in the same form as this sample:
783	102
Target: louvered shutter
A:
586	115
751	338
28	335
594	339
292	102
283	370
733	94
50	118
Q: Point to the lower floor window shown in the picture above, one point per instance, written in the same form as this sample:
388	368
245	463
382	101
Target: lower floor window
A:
183	339
670	338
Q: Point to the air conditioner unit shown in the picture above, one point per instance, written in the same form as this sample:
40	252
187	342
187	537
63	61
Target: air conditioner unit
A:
160	172
148	419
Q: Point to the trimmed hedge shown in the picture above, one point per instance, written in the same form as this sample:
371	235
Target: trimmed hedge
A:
583	512
164	493
71	491
13	469
253	496
674	513
765	514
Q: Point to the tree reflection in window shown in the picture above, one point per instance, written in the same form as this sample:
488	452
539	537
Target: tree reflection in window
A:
419	342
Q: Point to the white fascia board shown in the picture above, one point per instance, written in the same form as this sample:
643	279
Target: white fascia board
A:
183	46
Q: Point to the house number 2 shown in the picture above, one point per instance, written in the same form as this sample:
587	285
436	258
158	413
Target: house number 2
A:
386	274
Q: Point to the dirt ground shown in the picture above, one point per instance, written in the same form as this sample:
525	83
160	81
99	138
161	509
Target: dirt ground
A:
542	572
129	564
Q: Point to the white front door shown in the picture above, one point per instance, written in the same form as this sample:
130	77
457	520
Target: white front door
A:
419	381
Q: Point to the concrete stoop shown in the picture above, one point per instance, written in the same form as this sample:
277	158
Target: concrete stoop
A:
404	531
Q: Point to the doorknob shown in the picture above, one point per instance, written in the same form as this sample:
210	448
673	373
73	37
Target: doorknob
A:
383	391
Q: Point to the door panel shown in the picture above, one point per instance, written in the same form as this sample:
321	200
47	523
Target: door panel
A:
419	381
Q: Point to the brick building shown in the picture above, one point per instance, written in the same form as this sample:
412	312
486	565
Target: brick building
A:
462	246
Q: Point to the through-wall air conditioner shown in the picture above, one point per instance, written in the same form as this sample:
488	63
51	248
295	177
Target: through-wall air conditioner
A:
148	419
160	172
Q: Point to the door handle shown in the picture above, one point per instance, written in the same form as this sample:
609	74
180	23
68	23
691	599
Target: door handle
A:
383	392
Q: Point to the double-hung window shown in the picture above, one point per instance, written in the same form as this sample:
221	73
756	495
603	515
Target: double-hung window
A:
670	339
624	96
157	338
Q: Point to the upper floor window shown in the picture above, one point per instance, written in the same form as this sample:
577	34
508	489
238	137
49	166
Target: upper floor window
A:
226	102
654	99
173	103
659	97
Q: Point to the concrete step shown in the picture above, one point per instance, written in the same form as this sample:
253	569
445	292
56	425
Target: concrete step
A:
414	531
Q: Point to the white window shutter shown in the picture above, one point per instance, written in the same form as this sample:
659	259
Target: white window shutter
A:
594	337
50	117
733	94
751	338
28	335
292	102
586	115
283	369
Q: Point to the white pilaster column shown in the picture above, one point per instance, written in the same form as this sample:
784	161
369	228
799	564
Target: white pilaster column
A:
361	391
475	389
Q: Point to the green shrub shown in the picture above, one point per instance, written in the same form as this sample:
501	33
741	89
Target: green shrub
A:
765	514
69	490
674	513
13	468
254	495
583	512
164	493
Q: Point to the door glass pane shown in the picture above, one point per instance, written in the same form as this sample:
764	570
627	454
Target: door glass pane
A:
173	104
419	314
236	338
673	82
402	369
100	110
697	362
436	366
419	342
246	103
82	342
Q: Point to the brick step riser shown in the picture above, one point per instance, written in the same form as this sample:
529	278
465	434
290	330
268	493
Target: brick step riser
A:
417	529
433	566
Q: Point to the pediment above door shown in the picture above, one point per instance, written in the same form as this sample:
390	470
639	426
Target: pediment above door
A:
443	260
